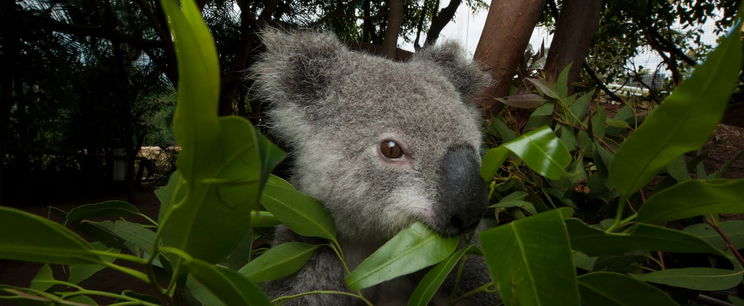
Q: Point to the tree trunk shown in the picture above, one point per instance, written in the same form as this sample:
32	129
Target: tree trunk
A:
577	24
395	19
507	32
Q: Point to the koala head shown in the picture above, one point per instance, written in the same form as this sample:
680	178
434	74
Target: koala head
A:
381	143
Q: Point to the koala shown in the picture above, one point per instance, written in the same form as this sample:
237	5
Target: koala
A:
382	144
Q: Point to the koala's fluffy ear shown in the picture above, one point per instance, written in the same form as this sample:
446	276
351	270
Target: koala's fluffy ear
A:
466	75
296	66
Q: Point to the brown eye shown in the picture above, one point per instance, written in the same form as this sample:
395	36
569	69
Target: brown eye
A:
391	149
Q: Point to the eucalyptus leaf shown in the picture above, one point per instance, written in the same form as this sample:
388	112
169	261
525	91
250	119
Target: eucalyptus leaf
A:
542	151
301	213
683	122
610	289
103	209
710	279
694	198
595	242
545	88
526	101
412	249
279	261
27	237
492	161
43	279
530	260
429	285
734	230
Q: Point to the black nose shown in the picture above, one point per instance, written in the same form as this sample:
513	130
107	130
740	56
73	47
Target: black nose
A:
462	193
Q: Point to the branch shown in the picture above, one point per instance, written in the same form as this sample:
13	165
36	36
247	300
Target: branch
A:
94	31
420	25
601	84
440	21
335	13
729	244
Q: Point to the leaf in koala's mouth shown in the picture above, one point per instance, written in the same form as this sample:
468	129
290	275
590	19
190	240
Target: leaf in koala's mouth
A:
412	249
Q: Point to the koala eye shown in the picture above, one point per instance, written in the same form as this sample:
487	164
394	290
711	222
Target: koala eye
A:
391	149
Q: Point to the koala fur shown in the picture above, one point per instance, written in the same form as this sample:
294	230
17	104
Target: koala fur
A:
333	107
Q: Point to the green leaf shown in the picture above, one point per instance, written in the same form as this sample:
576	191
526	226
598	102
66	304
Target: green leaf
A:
492	161
530	259
167	194
201	293
694	278
694	198
43	279
561	83
617	123
544	110
677	168
263	219
28	237
595	242
545	88
542	151
500	129
412	249
734	230
136	237
516	203
581	107
429	285
683	122
81	272
229	286
568	137
598	122
608	288
301	213
103	209
279	261
526	101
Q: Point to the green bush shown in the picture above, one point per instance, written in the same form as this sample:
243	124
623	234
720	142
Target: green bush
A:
201	247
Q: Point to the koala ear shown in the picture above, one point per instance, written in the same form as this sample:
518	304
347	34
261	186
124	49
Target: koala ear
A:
296	66
466	75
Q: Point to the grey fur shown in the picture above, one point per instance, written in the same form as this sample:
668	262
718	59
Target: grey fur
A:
332	107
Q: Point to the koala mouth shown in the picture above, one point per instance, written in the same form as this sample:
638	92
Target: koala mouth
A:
461	192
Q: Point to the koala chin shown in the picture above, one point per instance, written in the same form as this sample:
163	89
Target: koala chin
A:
381	144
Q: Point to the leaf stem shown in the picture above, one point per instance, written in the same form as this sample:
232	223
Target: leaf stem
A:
134	273
725	237
126	257
107	294
283	299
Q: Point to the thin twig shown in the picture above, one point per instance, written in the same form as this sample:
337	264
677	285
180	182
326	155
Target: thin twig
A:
725	237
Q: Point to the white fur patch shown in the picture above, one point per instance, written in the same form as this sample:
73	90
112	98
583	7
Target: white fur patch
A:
409	204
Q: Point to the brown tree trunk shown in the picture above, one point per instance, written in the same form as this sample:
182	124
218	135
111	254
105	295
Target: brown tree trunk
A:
395	19
577	24
507	32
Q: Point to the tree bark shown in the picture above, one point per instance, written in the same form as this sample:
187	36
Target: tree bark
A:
395	19
440	21
575	28
507	32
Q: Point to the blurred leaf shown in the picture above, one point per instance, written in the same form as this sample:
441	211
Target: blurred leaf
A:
516	203
734	230
103	209
279	261
28	237
412	249
229	286
301	213
581	107
544	110
429	285
526	101
598	122
542	151
595	242
608	288
263	219
545	88
501	130
568	137
201	293
677	168
81	272
241	255
166	194
530	260
694	198
621	124
43	279
492	161
725	167
561	83
136	237
683	122
710	279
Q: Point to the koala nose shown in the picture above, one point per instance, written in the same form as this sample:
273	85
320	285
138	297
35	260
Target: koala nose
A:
462	193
